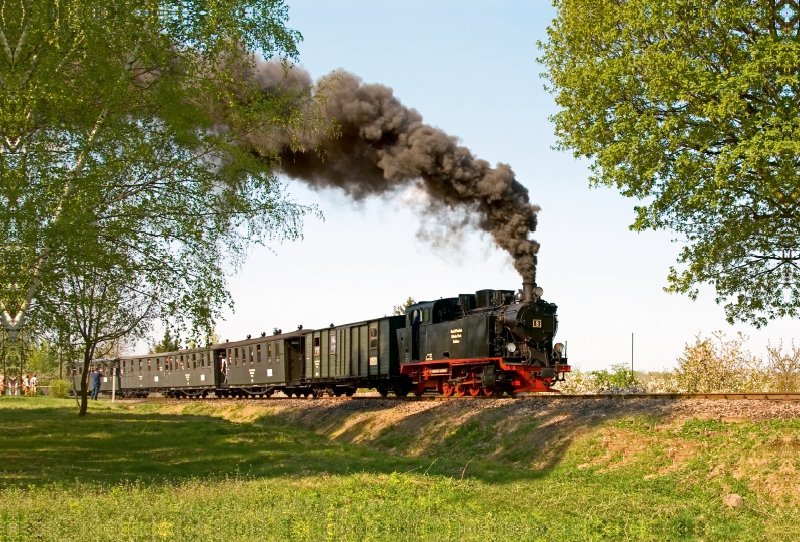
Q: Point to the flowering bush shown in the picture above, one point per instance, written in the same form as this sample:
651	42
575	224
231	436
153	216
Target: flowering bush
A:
710	365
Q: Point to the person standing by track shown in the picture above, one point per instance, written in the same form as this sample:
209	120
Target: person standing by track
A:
96	375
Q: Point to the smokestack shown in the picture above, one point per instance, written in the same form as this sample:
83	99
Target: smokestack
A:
384	146
527	291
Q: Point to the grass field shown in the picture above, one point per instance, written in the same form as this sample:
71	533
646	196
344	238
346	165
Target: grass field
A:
207	472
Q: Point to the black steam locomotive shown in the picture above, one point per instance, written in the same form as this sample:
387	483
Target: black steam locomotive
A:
487	343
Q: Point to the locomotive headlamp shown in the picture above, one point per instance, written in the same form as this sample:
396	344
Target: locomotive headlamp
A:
559	348
511	347
538	291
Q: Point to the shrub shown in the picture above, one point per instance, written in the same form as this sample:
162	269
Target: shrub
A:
60	388
659	382
783	369
719	365
620	379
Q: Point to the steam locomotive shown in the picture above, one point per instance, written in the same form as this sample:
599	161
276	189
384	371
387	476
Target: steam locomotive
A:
487	343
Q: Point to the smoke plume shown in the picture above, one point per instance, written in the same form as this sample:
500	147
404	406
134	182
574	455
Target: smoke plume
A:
385	146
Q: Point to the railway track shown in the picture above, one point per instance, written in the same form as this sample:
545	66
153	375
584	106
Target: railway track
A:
766	396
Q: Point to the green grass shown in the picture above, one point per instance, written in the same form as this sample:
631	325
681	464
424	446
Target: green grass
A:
205	472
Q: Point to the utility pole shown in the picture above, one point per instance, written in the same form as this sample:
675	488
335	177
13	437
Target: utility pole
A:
631	352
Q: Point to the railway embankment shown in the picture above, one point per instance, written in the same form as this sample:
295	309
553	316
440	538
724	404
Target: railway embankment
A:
755	442
373	469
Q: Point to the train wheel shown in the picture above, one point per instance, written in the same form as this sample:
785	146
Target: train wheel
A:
419	393
400	390
461	391
474	391
349	392
487	392
448	390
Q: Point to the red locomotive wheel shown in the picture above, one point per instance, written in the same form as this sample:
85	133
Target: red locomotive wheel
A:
448	390
487	392
461	391
474	391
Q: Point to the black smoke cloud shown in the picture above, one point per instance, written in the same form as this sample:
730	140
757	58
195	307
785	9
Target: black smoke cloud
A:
385	146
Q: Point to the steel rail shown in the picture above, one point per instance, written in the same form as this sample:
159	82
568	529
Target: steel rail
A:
760	396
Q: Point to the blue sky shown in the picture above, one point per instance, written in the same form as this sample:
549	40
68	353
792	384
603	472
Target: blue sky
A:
469	68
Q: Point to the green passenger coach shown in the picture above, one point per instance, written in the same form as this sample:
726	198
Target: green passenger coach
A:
340	359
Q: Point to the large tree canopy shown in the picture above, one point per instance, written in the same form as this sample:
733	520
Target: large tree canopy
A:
694	108
120	125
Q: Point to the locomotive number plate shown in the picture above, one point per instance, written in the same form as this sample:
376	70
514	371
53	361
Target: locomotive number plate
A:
536	323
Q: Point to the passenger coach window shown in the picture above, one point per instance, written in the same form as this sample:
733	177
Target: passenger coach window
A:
332	343
425	315
269	352
236	356
316	346
148	364
258	353
250	349
373	337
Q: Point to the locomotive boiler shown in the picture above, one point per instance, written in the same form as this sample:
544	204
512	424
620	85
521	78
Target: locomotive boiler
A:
486	343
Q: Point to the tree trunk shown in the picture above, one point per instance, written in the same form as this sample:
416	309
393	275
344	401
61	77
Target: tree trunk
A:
87	361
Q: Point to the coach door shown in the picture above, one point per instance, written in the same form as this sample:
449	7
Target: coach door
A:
294	360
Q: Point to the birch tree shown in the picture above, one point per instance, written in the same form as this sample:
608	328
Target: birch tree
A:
119	131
